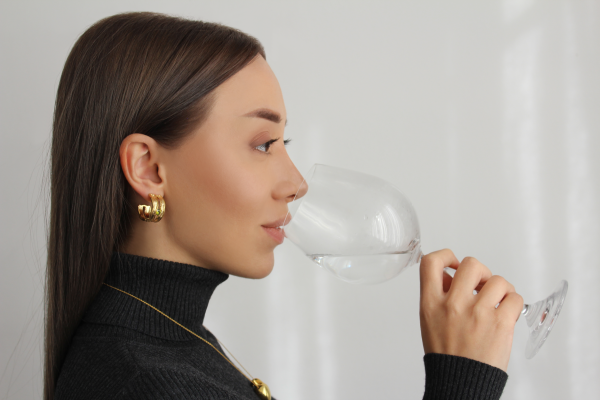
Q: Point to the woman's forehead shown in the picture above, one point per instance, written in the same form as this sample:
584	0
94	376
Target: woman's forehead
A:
252	89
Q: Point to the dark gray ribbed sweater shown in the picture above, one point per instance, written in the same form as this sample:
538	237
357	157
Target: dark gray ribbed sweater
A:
123	349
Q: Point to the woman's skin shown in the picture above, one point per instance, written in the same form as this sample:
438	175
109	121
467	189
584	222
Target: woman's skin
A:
222	186
454	321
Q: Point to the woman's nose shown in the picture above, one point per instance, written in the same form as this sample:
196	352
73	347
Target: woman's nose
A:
300	191
293	185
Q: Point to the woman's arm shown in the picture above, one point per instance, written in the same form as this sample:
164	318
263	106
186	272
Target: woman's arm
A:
455	377
455	322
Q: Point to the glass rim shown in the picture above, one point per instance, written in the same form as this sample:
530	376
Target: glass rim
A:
308	178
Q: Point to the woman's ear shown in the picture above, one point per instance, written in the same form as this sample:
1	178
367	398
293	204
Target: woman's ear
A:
140	163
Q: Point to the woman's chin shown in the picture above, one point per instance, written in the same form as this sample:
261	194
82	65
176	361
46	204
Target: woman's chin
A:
260	273
257	270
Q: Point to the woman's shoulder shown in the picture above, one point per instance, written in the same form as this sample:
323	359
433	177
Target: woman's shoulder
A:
176	383
95	368
120	365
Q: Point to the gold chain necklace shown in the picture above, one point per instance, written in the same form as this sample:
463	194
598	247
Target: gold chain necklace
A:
259	386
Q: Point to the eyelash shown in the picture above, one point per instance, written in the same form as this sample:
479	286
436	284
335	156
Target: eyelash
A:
268	144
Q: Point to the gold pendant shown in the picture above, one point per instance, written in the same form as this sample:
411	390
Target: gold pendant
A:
261	389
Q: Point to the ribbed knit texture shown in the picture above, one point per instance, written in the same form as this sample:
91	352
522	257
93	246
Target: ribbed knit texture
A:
123	349
458	378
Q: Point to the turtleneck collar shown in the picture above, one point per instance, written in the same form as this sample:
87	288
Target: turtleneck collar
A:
181	291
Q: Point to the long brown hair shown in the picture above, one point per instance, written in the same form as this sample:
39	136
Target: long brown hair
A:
130	73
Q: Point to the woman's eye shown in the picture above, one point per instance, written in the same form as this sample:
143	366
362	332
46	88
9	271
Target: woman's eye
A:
265	146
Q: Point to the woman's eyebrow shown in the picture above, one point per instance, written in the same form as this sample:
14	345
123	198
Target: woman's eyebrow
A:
266	114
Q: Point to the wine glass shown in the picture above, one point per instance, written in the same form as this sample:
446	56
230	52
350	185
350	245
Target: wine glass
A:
364	231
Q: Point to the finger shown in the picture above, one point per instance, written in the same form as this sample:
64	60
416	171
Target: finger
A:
449	275
469	275
447	280
432	271
511	307
494	291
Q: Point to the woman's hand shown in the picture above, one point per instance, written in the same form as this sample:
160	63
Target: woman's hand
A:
455	321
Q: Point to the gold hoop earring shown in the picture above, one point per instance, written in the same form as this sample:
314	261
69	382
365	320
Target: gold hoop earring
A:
154	213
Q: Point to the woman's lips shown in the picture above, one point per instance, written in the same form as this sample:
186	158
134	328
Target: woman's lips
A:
275	233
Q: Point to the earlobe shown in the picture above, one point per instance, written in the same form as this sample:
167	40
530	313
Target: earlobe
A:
139	155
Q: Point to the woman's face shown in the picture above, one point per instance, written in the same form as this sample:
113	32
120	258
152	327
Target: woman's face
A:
232	177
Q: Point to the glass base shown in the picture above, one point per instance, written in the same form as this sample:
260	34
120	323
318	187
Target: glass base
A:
541	317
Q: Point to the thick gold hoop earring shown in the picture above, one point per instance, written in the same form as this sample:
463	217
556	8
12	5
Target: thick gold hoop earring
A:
154	213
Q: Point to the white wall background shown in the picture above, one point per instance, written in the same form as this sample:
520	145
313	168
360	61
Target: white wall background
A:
485	114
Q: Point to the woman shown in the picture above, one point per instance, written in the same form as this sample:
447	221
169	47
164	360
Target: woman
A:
152	107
